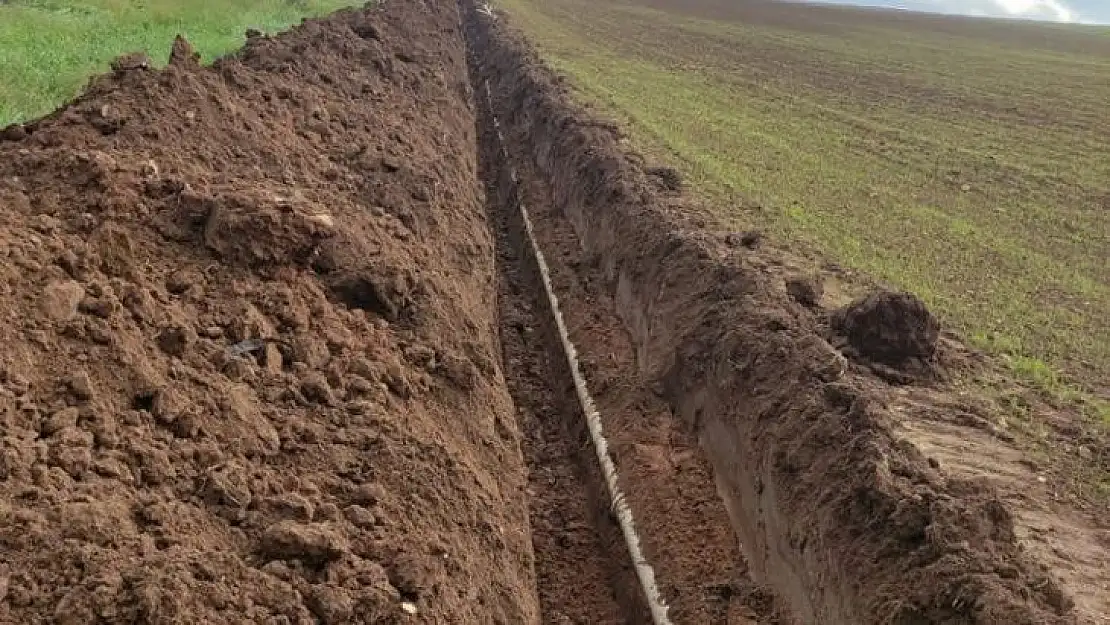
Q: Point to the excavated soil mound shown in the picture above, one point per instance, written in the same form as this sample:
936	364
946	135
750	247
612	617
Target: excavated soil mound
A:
248	370
889	328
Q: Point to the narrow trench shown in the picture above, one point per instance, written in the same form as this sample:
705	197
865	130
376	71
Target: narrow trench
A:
584	573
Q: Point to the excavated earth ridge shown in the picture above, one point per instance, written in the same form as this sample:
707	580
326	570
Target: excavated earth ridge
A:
276	352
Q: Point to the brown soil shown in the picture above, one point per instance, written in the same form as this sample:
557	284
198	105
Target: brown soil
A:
249	369
848	522
263	354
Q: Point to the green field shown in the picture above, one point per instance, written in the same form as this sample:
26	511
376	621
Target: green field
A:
48	48
965	160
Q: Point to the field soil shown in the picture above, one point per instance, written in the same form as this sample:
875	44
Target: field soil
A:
250	369
277	350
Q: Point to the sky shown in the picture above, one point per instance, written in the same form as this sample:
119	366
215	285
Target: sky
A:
1089	11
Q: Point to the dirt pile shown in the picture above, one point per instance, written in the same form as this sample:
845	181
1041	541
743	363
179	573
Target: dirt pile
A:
890	331
249	371
849	523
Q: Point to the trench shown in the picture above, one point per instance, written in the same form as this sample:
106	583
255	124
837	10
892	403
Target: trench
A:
583	567
765	481
583	575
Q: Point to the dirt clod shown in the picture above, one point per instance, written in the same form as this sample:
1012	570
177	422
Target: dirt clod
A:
64	418
806	291
750	239
312	543
130	61
80	384
175	339
14	132
60	300
889	327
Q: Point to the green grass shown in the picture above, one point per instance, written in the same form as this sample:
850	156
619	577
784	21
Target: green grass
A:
966	161
49	48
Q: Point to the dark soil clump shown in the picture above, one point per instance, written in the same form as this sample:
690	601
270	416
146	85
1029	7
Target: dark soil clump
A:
890	328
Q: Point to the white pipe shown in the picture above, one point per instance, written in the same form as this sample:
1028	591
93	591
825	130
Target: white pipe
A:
618	505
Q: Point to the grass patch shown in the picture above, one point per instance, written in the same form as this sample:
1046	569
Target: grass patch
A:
49	48
966	161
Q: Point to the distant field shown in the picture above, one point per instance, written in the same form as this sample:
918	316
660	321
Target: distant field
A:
967	161
48	48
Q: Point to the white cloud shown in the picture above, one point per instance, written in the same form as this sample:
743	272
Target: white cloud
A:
1051	10
1046	9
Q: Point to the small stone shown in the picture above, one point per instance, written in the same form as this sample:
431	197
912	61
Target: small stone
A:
66	417
214	332
369	494
314	543
359	516
176	339
409	607
60	299
80	385
1085	452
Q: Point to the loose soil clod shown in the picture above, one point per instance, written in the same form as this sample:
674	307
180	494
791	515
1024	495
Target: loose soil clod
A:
892	332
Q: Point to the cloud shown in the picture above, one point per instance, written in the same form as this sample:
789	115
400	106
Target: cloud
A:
1051	10
1045	9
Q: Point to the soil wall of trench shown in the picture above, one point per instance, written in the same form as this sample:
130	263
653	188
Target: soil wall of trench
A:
845	521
